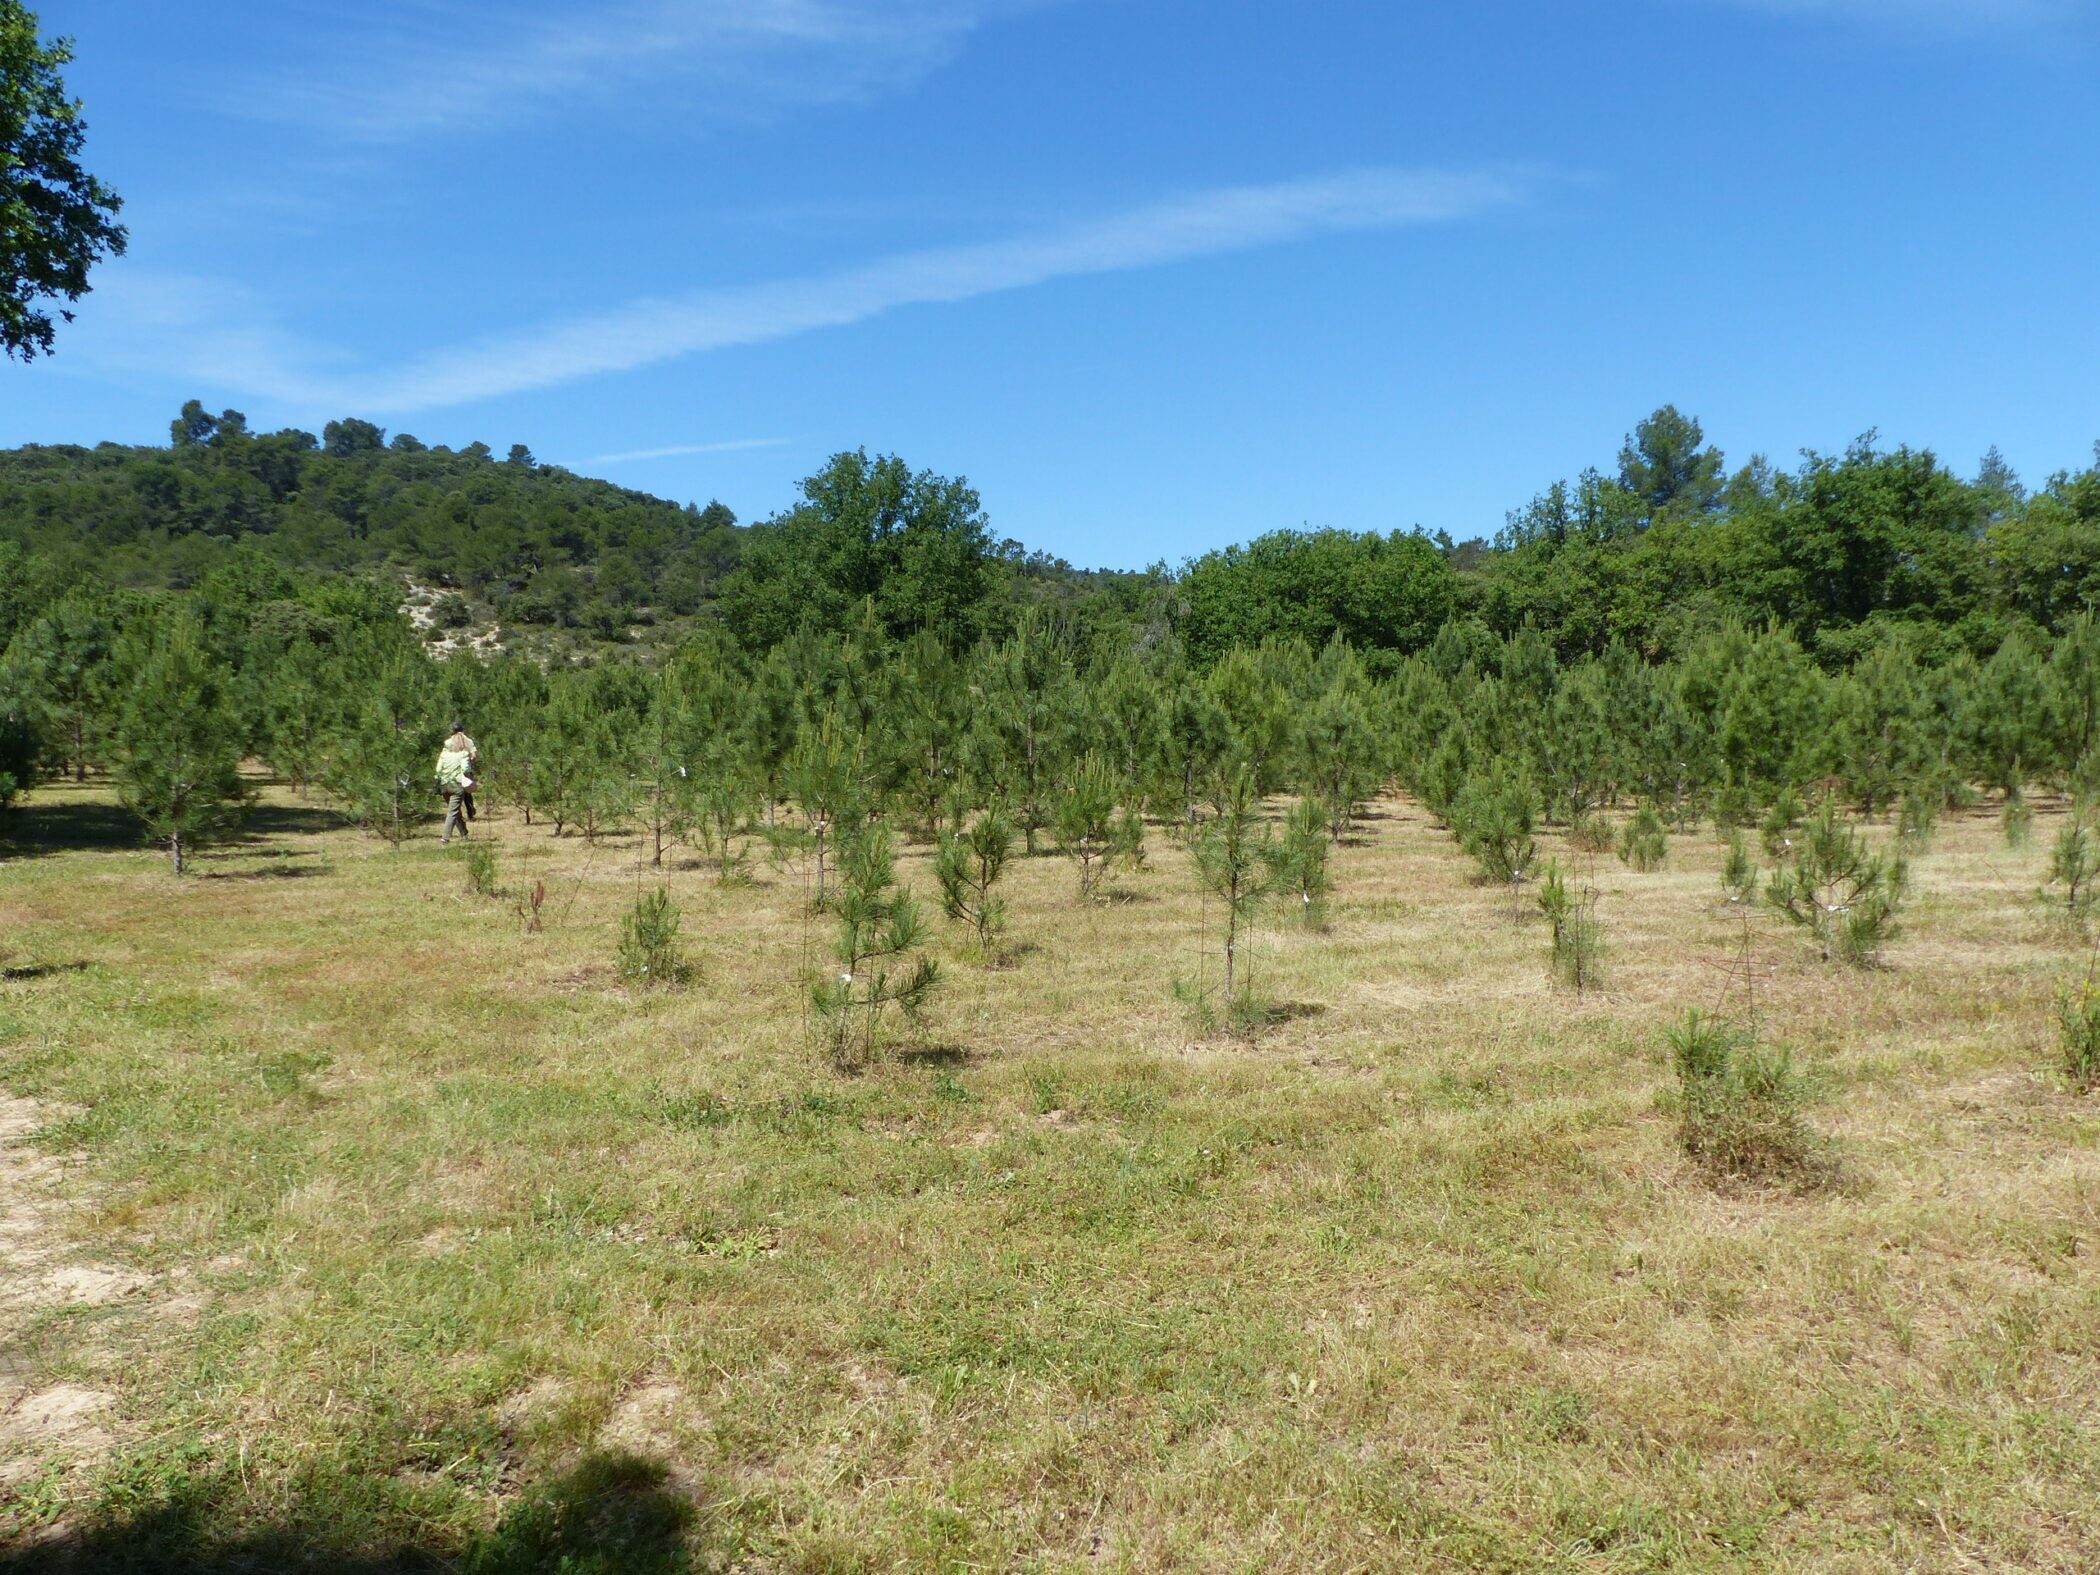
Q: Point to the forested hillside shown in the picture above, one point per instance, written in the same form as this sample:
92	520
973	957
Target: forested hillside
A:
1670	544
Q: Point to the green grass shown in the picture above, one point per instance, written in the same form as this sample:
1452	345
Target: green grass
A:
459	1249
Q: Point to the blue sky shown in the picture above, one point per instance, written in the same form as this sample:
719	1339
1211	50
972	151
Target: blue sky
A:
1155	275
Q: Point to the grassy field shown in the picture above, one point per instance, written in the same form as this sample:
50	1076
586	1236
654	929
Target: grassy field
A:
346	1225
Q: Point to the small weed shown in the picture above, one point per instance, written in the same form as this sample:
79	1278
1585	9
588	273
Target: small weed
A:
695	1111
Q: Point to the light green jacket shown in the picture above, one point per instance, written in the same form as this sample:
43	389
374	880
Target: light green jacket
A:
452	770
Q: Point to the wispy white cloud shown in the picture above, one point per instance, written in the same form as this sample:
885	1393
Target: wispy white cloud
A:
682	449
439	65
182	327
1933	15
649	331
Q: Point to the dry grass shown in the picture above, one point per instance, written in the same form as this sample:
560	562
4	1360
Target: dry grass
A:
437	1221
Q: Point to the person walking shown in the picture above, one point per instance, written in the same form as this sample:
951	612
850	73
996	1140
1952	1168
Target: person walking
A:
455	779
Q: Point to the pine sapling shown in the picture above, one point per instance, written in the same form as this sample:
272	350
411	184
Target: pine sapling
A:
1917	814
968	862
1084	818
649	942
2073	863
1739	872
1298	863
178	745
2017	819
1492	819
2078	1035
1645	842
1846	895
480	865
1591	831
1230	851
877	951
1780	822
724	807
1578	939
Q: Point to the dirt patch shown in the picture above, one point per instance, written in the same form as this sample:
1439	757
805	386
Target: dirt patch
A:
649	1420
35	1277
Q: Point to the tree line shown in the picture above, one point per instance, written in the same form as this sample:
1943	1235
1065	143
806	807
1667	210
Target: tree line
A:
1849	552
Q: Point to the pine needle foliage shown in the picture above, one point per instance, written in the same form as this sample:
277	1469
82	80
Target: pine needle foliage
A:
1298	863
1578	939
1742	1104
2017	819
1780	822
1739	870
1493	819
968	862
178	745
1592	831
479	863
1645	842
1089	831
877	951
649	954
1844	893
2074	862
1231	853
2078	1035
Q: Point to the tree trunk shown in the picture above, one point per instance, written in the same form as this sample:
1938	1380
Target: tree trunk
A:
175	851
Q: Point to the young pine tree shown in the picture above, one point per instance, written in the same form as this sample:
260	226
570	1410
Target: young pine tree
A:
968	863
1231	856
2074	862
1578	939
649	954
877	951
1645	842
1739	873
1846	895
178	744
1298	862
1089	831
1493	819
